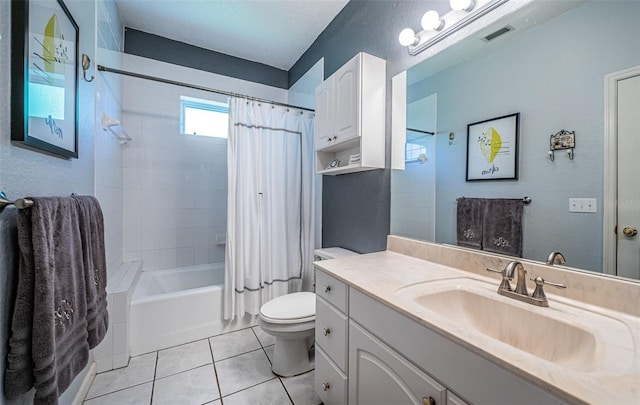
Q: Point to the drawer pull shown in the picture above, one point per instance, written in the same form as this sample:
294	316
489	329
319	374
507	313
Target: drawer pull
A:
327	289
326	331
325	387
428	401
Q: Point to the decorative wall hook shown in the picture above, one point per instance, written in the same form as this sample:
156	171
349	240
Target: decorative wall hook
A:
562	140
86	64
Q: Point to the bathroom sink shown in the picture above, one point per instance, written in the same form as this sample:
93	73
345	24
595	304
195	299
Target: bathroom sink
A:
562	334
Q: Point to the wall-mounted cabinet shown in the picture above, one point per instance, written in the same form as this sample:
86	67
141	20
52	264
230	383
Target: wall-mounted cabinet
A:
350	117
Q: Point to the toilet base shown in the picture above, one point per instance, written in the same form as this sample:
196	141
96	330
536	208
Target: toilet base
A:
291	357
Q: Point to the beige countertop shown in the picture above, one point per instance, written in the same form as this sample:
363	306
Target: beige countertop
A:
617	381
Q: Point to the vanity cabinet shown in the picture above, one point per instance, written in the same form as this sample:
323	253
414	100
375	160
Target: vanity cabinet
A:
374	354
331	336
350	117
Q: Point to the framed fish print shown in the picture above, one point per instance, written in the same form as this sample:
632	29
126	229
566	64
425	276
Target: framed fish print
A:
492	148
44	77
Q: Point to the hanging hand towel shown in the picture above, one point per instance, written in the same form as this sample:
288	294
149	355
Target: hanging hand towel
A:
48	345
502	226
469	222
95	265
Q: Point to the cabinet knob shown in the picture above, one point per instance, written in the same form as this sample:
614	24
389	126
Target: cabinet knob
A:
428	401
326	331
327	289
329	139
335	137
325	386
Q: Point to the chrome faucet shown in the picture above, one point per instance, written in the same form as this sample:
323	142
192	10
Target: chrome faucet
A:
521	294
556	257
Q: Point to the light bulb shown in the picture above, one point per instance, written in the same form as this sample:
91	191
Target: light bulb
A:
407	37
431	21
462	5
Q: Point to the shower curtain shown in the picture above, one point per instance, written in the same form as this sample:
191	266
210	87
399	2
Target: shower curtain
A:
270	204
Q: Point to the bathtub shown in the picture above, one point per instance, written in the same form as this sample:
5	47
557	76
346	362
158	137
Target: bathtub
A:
176	306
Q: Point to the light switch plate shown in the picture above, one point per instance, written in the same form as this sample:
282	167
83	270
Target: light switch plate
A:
583	205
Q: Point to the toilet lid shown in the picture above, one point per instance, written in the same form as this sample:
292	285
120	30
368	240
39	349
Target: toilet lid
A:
290	308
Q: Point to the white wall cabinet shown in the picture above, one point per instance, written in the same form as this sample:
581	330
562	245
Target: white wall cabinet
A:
350	117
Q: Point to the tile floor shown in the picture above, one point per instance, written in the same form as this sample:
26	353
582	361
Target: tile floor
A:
229	369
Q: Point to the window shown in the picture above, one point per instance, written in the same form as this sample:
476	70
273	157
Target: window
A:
204	117
413	151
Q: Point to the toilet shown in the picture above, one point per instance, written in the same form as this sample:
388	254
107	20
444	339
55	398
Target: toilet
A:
291	319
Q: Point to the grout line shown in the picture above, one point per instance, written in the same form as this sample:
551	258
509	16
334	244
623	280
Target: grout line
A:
285	389
182	371
251	386
113	392
215	372
236	355
155	372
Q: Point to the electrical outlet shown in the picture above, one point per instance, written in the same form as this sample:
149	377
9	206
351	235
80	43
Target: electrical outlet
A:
583	205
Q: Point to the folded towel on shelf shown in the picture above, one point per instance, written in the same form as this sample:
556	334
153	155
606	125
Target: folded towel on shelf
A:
95	264
60	305
469	216
502	226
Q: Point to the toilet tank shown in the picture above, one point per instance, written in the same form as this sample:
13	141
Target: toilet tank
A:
331	253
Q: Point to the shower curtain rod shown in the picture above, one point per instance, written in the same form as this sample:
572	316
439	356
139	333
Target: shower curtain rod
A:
102	68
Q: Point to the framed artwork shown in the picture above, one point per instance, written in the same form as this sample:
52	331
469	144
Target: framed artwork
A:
44	76
492	148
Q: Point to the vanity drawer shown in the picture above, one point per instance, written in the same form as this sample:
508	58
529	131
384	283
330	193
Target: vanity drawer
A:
332	290
330	383
331	332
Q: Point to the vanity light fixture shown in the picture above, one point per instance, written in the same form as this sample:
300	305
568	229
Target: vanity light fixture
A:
408	37
431	21
462	5
436	28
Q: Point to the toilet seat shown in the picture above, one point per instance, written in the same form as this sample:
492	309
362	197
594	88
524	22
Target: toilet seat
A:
290	308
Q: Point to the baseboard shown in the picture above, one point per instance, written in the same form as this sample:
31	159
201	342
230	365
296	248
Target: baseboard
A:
86	384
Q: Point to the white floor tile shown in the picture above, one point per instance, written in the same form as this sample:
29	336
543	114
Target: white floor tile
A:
138	395
197	386
234	343
140	370
268	393
264	338
182	358
301	389
240	372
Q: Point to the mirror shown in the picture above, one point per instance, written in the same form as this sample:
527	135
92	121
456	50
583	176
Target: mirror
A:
550	68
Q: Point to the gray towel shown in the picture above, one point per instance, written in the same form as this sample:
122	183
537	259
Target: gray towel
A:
469	222
95	264
502	226
49	332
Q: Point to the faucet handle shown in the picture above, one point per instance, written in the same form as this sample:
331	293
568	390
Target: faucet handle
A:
540	282
504	285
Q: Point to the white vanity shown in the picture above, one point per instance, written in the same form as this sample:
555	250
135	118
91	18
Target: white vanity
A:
423	323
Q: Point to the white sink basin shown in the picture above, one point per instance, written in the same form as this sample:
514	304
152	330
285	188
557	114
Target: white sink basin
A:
562	334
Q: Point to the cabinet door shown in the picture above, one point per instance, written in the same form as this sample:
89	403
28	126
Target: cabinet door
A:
379	375
453	399
346	88
324	115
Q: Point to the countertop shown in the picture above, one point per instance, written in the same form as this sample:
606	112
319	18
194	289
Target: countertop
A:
379	275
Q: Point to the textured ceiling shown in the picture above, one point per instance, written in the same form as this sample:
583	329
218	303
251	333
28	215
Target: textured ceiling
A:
273	32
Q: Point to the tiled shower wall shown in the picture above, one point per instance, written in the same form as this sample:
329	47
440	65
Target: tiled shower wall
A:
175	185
108	152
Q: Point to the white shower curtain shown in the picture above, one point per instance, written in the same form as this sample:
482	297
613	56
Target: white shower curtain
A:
270	204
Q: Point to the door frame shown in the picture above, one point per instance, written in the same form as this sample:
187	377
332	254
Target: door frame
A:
610	208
